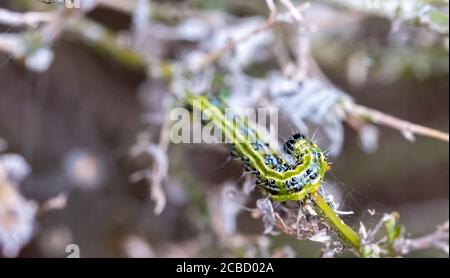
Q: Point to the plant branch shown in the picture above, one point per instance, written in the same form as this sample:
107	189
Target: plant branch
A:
437	239
29	19
32	47
407	128
105	41
216	54
293	10
213	56
281	225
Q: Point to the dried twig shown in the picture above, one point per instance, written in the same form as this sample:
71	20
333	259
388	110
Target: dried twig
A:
272	7
216	54
266	25
437	239
160	163
36	52
281	225
29	19
106	42
51	31
293	10
158	175
356	112
55	203
407	128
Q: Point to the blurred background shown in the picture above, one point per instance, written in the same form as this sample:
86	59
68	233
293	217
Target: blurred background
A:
84	92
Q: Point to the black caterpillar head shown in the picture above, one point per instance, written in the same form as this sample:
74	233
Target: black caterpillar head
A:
298	136
290	142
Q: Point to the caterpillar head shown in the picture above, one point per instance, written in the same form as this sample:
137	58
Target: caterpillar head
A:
299	147
292	144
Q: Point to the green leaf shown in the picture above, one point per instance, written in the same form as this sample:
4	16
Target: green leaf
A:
393	230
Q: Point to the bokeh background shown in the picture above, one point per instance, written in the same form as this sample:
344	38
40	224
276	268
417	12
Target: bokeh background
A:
75	123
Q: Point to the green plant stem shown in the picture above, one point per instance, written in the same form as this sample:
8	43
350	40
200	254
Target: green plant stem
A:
347	234
105	42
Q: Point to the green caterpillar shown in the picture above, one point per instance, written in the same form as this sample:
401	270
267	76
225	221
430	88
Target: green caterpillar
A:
283	180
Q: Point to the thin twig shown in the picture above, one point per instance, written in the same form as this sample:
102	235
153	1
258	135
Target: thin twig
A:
407	128
55	203
437	239
159	171
157	193
51	31
272	7
216	54
293	10
266	25
376	229
30	19
281	225
19	47
106	42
